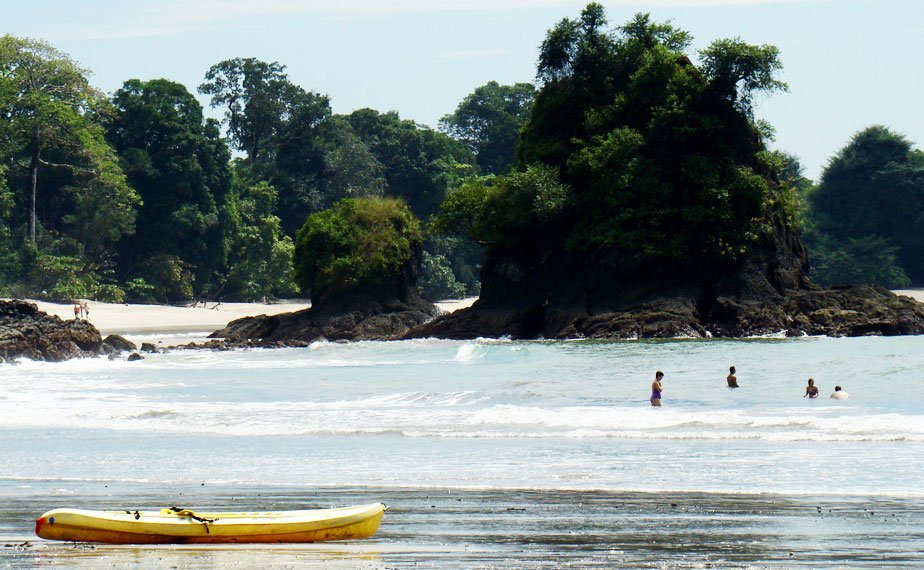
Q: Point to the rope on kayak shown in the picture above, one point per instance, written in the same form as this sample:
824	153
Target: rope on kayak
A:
188	513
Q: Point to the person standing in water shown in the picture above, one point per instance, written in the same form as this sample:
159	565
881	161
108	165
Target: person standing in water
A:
811	390
731	378
656	389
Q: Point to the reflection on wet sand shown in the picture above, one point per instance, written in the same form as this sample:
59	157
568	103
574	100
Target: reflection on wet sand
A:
443	528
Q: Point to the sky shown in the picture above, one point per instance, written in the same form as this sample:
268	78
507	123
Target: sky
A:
849	63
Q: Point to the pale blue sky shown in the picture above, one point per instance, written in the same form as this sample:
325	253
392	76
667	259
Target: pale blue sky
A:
849	63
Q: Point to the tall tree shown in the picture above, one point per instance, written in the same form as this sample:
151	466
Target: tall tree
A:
276	123
489	121
48	108
176	160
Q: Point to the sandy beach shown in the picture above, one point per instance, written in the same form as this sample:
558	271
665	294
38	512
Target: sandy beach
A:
916	294
128	319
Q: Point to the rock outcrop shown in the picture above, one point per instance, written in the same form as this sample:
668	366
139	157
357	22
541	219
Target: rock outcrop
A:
26	332
370	321
767	292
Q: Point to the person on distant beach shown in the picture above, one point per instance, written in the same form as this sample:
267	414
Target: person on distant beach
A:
86	310
656	389
76	311
731	378
840	394
811	390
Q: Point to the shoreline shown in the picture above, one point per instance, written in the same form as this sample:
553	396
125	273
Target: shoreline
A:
436	528
131	320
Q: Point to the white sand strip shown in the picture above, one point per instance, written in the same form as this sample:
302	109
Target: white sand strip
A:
124	319
916	294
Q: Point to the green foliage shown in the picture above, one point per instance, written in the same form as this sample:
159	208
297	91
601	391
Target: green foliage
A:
437	280
278	125
489	122
506	210
419	164
353	246
137	290
66	278
175	159
261	255
351	169
170	276
51	127
737	70
861	261
871	193
663	160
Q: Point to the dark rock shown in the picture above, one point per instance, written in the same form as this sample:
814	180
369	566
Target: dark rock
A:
148	347
559	296
134	356
119	343
373	321
27	332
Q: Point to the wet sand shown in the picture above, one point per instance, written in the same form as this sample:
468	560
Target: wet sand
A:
441	528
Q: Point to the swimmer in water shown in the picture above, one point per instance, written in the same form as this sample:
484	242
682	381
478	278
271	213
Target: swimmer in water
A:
811	390
731	378
656	389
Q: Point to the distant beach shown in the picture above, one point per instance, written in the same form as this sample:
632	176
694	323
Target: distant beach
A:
916	294
130	319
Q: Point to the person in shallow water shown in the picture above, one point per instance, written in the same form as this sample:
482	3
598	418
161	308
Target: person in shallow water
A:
811	390
656	389
731	378
840	394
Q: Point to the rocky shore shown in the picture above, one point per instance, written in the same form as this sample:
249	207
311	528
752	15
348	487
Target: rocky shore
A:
26	332
766	292
370	321
853	311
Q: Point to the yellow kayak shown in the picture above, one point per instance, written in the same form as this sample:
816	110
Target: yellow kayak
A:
175	525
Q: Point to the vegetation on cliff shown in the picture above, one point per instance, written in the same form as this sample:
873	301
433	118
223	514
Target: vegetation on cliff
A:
633	162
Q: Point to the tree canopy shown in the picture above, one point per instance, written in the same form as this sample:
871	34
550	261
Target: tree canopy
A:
175	159
871	199
360	245
633	155
489	121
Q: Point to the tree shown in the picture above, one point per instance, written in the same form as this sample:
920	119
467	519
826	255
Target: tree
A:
176	160
360	246
662	162
277	124
420	165
48	107
737	70
872	192
260	263
489	122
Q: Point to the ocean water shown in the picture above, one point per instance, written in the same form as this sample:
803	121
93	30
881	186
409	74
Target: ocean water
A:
568	421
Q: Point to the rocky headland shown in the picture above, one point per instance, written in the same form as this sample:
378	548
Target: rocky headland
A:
767	292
